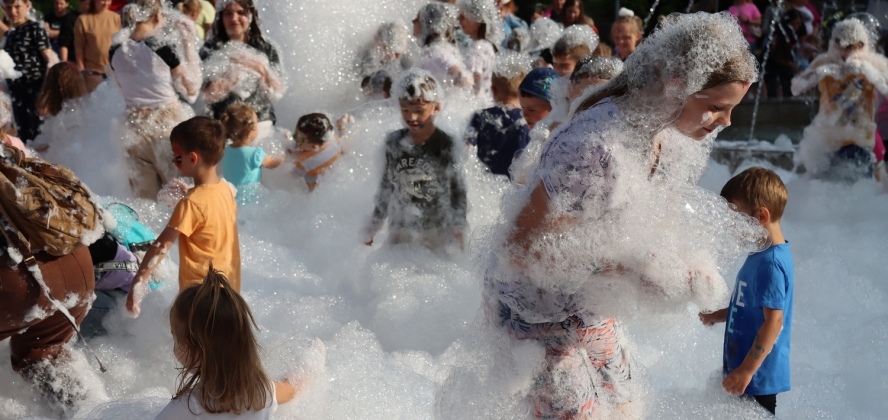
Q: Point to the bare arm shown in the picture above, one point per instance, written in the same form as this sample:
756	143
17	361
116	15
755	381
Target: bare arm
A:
79	44
63	53
181	78
53	33
739	379
153	257
713	318
284	391
272	162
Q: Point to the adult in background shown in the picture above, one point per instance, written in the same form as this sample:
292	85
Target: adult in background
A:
152	75
573	14
555	12
93	33
241	66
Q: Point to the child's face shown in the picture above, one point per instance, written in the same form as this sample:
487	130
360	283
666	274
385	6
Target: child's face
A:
61	6
469	26
17	11
846	52
418	114
186	162
534	109
625	37
572	13
708	109
235	19
563	65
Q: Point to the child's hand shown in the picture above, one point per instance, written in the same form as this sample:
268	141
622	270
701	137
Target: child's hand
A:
134	298
738	380
706	319
172	192
343	122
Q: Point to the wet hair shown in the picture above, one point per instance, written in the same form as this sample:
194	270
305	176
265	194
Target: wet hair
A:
316	128
254	34
632	21
437	22
202	135
682	47
507	87
758	187
238	122
379	83
214	327
63	81
562	49
140	11
418	85
592	66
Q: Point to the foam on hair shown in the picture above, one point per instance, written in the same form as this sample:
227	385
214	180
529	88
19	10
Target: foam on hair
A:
544	32
437	22
574	37
486	12
417	85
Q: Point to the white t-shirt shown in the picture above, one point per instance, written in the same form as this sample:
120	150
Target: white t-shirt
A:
481	58
438	57
191	409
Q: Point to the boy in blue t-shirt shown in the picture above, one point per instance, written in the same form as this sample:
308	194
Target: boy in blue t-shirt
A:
500	132
759	316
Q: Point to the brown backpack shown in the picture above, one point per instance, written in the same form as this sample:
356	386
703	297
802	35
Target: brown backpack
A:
48	207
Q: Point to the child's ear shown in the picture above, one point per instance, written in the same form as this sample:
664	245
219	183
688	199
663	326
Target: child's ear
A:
194	157
763	215
437	108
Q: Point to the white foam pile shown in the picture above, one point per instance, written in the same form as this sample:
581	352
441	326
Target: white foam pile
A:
403	327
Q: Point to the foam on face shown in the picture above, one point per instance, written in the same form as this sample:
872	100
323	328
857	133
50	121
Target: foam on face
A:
400	325
417	84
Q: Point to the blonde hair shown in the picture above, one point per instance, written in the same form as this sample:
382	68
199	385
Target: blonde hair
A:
214	326
190	6
758	187
631	21
507	87
238	122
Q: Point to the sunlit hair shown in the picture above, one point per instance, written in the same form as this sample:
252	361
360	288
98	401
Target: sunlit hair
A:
238	120
507	87
316	128
758	187
139	11
663	58
63	81
254	34
190	6
576	52
633	22
202	135
213	326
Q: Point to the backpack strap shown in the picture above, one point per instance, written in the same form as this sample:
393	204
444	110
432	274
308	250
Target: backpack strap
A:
123	265
31	270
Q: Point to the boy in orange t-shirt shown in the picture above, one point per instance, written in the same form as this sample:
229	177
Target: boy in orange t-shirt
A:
204	221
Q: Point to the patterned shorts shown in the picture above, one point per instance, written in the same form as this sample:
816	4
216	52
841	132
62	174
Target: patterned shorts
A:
585	364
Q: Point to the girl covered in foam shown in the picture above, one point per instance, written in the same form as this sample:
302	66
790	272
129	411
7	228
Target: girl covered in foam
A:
481	20
839	142
611	223
435	28
154	67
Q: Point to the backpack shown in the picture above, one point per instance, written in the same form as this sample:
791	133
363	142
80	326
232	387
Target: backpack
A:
48	208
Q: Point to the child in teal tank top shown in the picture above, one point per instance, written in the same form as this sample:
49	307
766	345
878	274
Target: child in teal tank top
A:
242	164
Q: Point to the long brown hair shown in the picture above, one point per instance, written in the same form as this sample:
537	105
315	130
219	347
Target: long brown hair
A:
63	82
212	324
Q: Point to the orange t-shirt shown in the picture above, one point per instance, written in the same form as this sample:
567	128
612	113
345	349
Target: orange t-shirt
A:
207	223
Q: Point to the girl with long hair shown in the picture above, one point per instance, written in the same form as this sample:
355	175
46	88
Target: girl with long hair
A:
222	373
611	223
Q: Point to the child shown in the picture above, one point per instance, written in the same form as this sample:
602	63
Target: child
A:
627	32
500	132
592	71
535	95
759	317
58	102
28	45
205	221
480	19
387	52
318	147
839	142
575	43
242	165
222	374
750	19
435	28
422	192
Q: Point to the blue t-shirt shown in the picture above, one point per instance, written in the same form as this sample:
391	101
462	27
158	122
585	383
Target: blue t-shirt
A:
499	134
765	281
242	165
